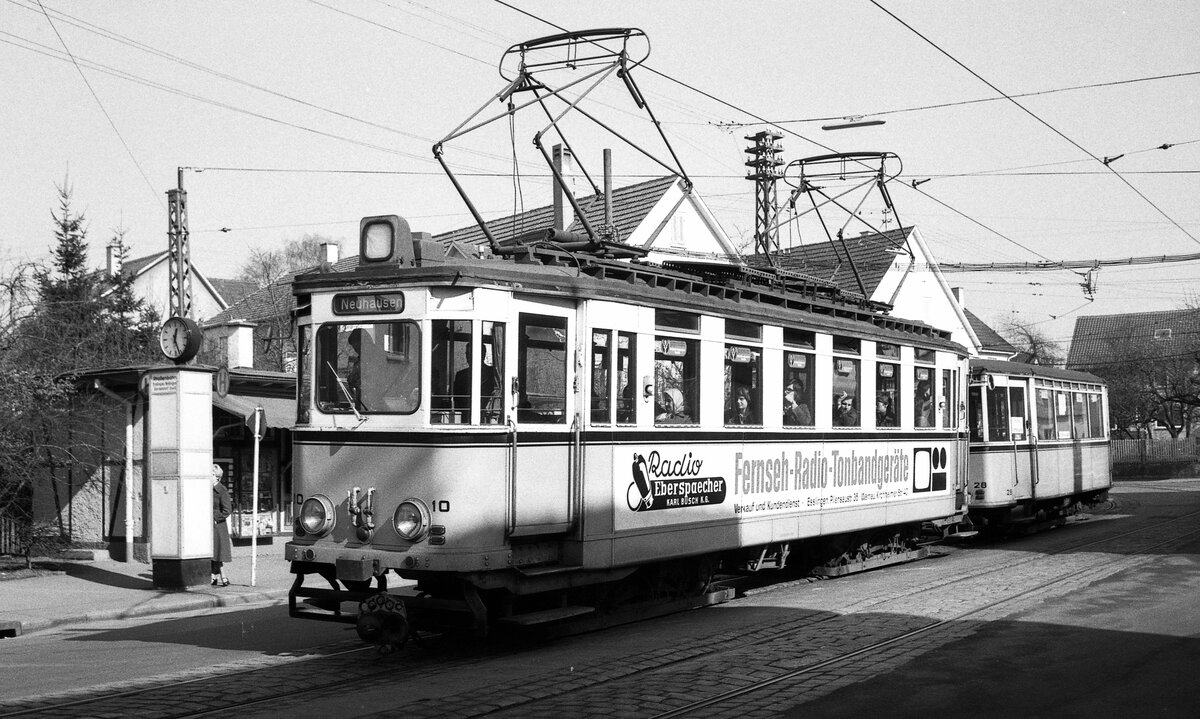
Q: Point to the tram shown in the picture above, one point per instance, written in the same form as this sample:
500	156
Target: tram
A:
527	433
1039	443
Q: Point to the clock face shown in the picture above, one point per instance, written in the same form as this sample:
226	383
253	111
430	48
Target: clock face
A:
179	338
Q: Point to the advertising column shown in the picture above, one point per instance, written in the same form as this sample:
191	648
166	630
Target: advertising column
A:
181	526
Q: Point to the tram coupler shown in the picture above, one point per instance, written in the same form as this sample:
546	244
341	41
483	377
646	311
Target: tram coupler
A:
383	621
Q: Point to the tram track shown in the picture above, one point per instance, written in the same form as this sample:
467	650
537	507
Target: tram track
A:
349	672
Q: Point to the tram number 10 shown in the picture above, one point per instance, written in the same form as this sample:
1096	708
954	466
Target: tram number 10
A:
440	505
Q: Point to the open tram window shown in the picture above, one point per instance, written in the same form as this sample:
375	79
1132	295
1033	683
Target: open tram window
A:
887	393
846	385
491	374
626	378
601	376
542	369
1045	414
797	389
676	380
948	407
923	392
743	385
374	368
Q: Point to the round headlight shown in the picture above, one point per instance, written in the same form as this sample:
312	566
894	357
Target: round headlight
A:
316	515
411	519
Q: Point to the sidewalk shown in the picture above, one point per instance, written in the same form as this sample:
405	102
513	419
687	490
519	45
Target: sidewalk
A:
102	589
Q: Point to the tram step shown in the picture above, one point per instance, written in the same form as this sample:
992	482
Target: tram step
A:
546	616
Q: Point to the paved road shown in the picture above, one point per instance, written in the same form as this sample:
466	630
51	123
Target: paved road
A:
1094	619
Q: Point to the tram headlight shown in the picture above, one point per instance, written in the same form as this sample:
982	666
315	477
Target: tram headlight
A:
411	519
316	515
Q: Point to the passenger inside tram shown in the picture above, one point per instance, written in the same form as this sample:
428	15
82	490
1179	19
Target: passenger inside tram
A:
844	414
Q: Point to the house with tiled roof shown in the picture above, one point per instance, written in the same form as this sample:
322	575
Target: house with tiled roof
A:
152	283
895	267
1100	340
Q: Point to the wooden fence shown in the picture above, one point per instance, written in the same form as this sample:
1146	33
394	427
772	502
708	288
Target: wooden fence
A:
1146	451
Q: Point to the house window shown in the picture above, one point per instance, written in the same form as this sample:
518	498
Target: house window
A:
1162	334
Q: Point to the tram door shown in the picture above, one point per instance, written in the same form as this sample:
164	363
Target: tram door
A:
543	441
1008	422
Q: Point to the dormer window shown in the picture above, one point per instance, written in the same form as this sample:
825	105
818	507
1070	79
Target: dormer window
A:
1162	334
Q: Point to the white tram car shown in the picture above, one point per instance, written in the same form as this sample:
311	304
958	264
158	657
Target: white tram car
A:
1039	442
531	434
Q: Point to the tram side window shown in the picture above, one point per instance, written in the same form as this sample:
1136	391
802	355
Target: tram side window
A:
743	385
369	367
1016	413
1096	414
949	405
797	389
1062	414
676	380
601	376
1045	414
887	395
997	414
626	378
491	374
975	409
1079	416
846	406
303	410
542	369
450	392
923	397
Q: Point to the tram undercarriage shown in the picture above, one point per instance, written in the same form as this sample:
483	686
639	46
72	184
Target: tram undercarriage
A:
546	597
1034	515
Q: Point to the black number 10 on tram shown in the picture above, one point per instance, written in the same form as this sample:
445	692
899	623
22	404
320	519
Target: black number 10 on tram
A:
550	432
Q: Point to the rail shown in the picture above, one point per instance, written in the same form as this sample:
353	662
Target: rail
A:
1145	450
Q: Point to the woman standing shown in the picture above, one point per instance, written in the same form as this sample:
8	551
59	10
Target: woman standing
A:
222	547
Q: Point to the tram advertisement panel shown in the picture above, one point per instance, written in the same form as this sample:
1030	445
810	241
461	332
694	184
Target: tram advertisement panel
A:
674	484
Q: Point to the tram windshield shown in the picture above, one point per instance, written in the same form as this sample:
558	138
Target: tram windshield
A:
369	368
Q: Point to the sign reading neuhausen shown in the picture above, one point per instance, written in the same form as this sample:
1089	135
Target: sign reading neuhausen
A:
368	304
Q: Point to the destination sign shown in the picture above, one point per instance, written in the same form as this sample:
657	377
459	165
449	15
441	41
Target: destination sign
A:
378	303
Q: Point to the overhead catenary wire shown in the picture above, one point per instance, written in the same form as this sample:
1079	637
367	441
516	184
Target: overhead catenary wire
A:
1039	119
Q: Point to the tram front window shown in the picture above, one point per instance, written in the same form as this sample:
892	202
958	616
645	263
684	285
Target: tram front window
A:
368	368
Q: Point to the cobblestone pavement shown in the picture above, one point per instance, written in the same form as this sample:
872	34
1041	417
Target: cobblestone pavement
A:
802	632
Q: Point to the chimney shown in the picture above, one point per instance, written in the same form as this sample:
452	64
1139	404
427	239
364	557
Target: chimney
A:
113	260
239	344
564	163
959	296
330	252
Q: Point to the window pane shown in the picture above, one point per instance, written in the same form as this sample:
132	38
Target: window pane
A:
997	414
491	377
1096	412
450	392
601	376
887	394
923	397
1062	414
949	404
542	369
1045	413
1079	415
797	389
304	391
627	378
743	385
975	408
676	380
1016	413
375	366
845	392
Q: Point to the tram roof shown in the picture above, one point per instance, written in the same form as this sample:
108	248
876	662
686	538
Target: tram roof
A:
1023	369
735	291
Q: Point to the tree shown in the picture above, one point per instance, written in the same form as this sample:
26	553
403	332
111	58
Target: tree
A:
272	271
60	318
1027	338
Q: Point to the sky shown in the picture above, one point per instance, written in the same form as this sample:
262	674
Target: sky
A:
300	117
